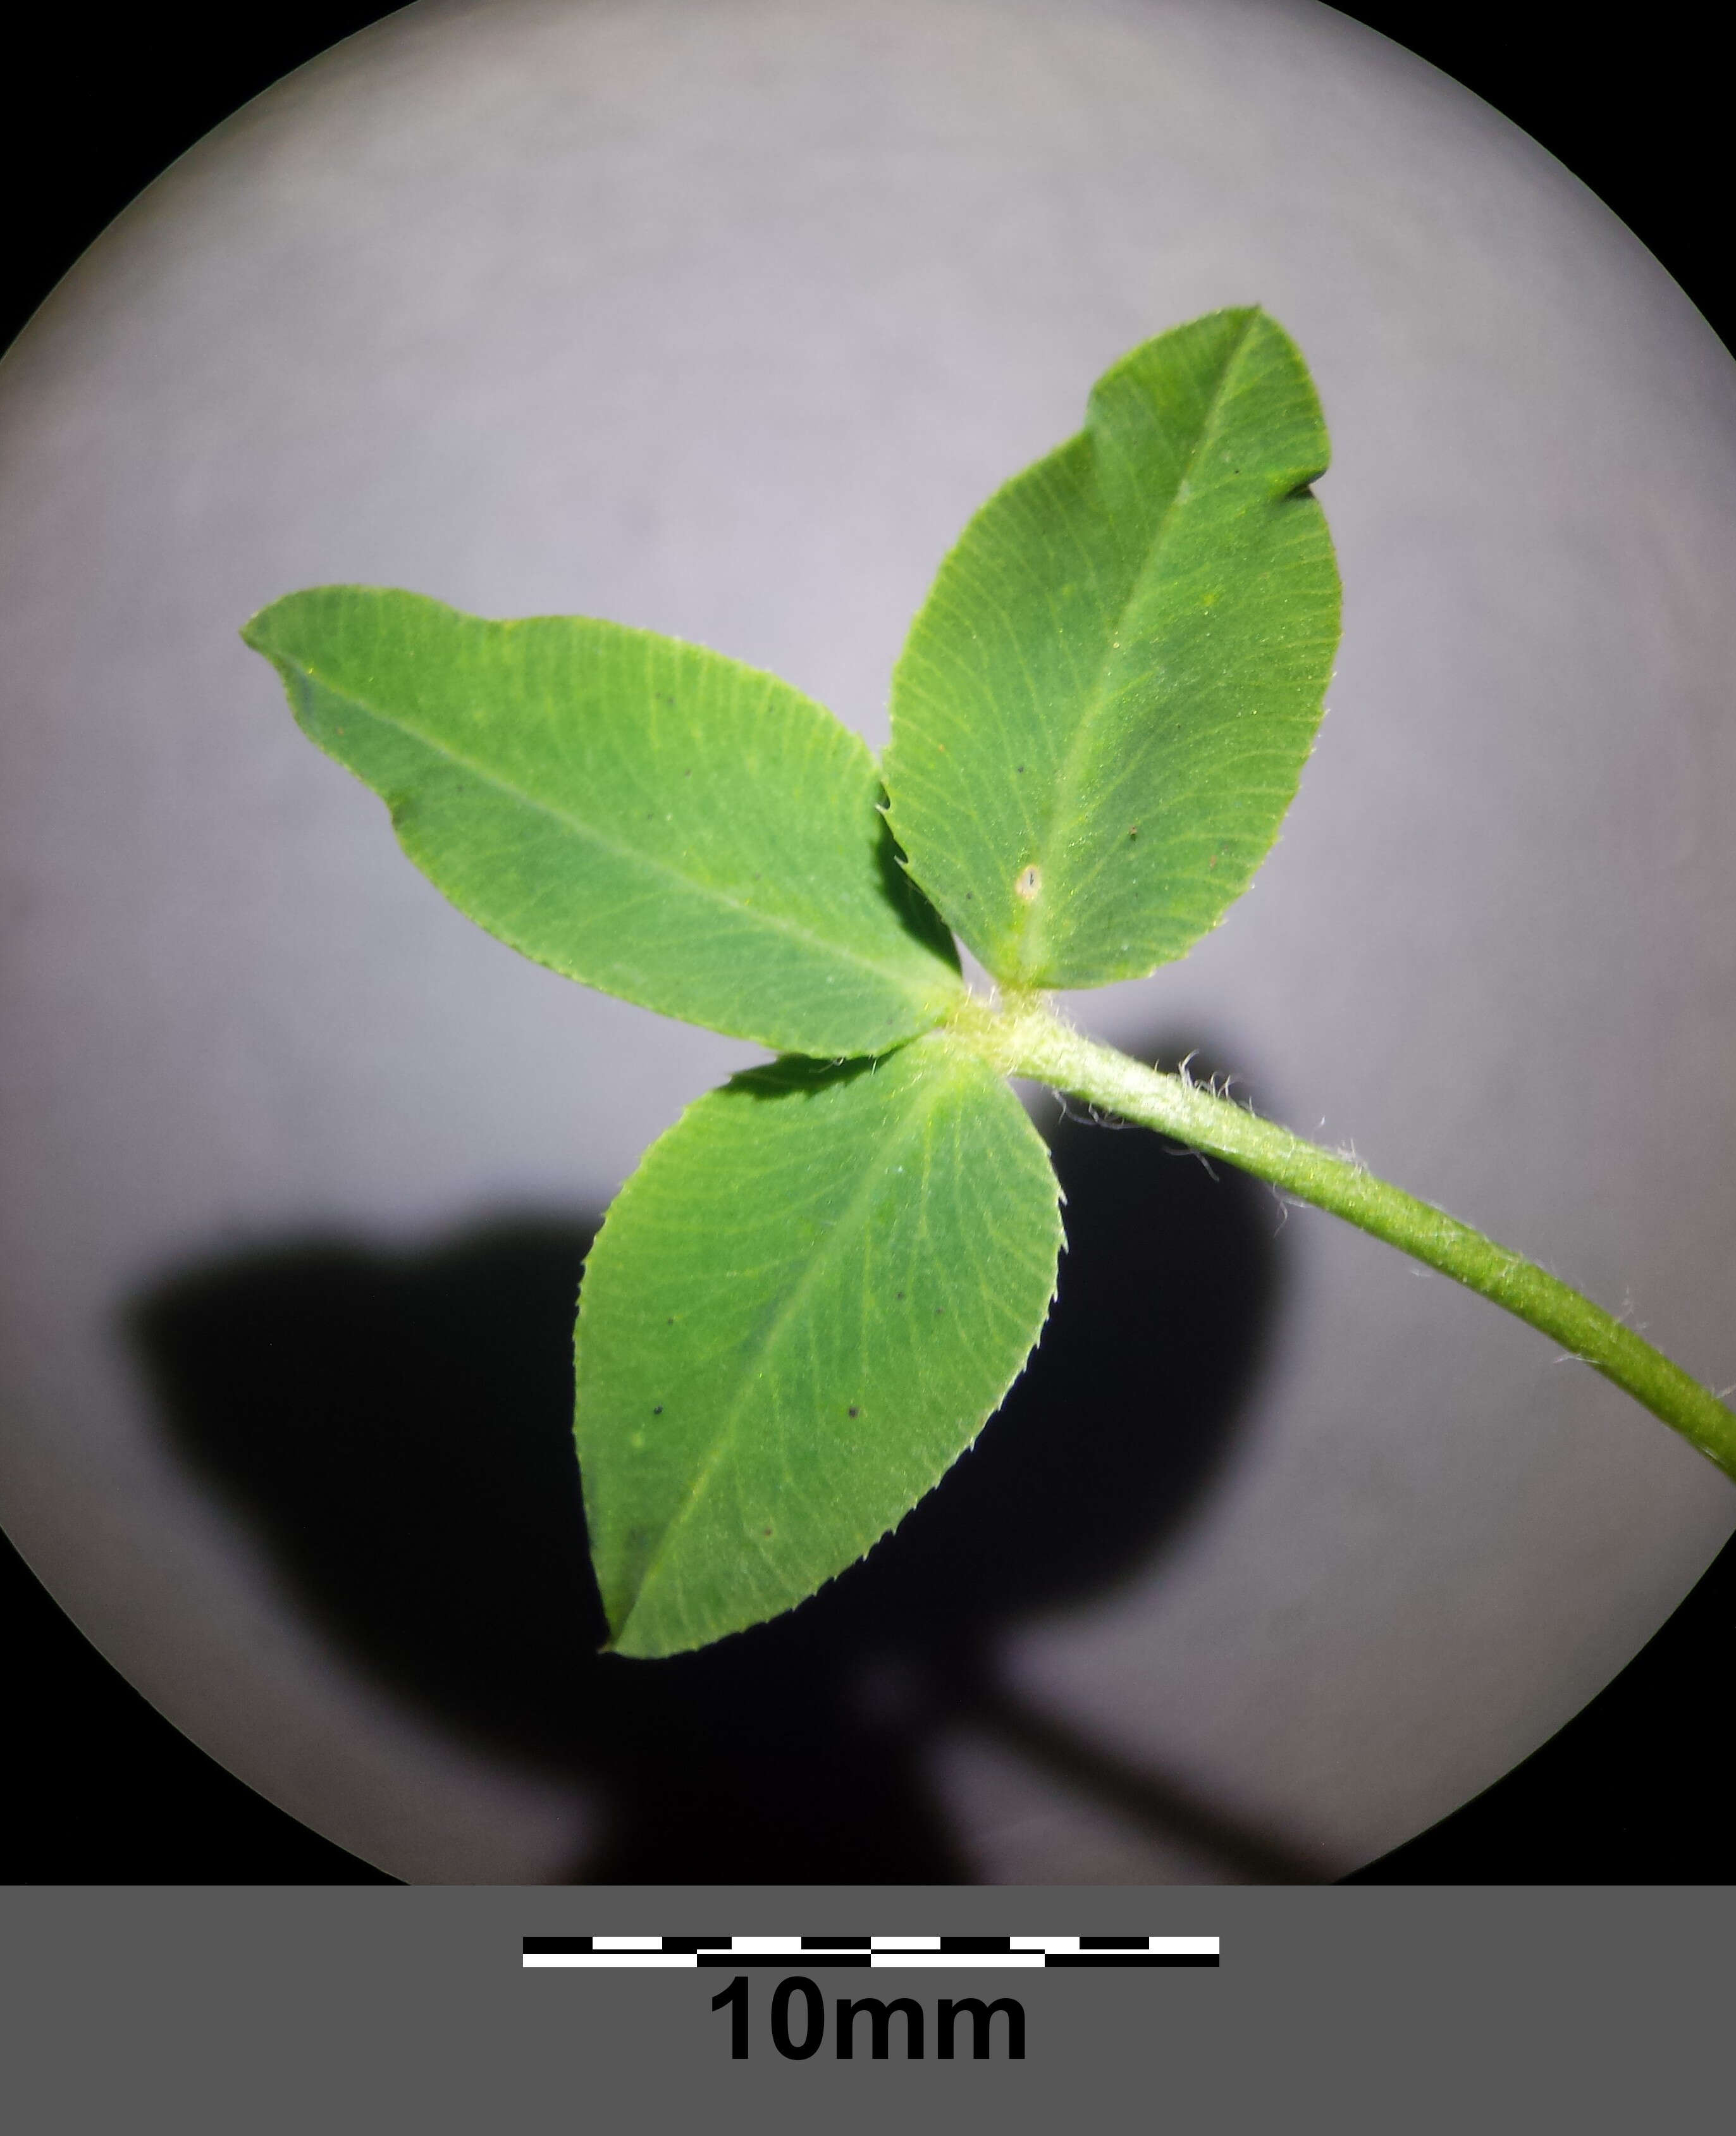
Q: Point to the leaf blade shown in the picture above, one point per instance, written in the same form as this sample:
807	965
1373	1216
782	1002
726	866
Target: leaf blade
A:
799	1312
640	814
1104	708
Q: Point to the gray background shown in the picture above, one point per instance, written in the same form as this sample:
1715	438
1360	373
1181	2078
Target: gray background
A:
720	319
272	2010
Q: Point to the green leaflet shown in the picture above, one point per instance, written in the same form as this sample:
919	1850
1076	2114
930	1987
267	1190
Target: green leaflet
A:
797	1314
810	1296
1104	708
641	815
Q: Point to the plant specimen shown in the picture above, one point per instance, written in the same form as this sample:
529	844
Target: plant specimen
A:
819	1284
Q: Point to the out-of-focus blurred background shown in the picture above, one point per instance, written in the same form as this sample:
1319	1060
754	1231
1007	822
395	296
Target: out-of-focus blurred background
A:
721	318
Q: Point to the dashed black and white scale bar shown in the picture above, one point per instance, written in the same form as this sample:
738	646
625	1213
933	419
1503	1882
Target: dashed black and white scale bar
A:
805	1954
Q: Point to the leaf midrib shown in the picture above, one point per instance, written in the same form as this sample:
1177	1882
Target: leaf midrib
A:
1073	756
587	833
872	1178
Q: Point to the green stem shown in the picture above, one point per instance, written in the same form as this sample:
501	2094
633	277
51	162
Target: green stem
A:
1028	1039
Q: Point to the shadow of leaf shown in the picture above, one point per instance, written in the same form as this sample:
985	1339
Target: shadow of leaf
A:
396	1428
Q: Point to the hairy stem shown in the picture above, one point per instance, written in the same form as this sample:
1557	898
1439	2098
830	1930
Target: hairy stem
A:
1026	1038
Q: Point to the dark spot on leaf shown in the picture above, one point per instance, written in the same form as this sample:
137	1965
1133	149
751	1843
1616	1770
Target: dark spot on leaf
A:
900	1293
766	1532
1132	830
856	1412
657	1408
1021	767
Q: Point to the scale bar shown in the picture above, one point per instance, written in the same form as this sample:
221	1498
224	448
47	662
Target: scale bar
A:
799	1953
